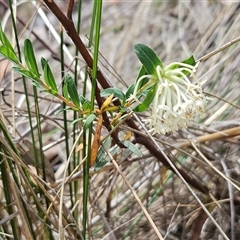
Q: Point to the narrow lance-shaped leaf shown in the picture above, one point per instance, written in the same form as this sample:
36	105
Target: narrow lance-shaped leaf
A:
148	58
147	101
88	121
130	90
26	73
48	76
132	147
5	41
106	102
102	156
30	57
115	91
72	90
43	63
10	55
96	141
65	91
142	72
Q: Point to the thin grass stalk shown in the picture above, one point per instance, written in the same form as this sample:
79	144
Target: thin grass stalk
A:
65	120
6	145
24	85
91	33
24	79
5	182
41	158
87	140
97	19
76	155
29	114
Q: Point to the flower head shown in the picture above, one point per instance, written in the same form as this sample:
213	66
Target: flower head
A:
177	100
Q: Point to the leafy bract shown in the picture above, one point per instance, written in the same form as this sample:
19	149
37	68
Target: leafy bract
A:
148	58
190	61
147	100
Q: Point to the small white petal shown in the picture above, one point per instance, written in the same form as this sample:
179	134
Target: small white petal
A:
177	100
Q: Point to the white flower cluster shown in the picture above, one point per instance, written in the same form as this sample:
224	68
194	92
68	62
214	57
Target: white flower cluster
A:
177	100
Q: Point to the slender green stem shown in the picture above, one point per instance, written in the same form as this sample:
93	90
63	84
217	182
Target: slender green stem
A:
65	120
27	99
97	20
76	155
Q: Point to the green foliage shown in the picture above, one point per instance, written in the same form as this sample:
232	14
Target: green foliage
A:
148	58
6	49
103	157
190	61
115	91
147	100
89	121
72	90
48	76
30	58
132	147
130	90
7	53
26	73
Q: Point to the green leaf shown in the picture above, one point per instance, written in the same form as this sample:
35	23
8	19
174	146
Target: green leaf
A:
76	120
132	147
44	63
86	105
102	157
9	54
122	110
5	41
82	99
72	90
130	90
65	91
48	76
30	57
62	110
115	91
148	58
190	61
147	101
88	121
26	73
142	72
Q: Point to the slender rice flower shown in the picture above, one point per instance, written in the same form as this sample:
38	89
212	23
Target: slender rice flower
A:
177	100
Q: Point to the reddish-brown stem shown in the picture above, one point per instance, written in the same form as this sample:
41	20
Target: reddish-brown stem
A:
70	9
